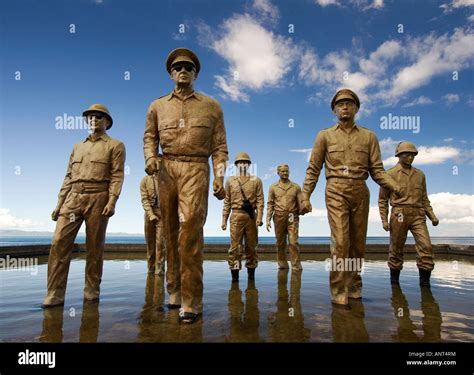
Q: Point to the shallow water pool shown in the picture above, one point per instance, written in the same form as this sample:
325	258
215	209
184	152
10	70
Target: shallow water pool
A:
280	306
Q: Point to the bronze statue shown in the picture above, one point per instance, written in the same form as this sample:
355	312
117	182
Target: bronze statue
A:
89	193
409	211
282	205
244	196
153	225
189	128
349	153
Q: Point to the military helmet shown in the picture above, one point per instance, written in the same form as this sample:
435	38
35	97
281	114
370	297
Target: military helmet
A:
101	109
345	94
180	55
406	147
242	156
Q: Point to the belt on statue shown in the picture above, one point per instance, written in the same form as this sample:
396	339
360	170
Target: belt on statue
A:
90	187
185	158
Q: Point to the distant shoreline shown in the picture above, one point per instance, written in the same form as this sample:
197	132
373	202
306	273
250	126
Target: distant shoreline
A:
222	248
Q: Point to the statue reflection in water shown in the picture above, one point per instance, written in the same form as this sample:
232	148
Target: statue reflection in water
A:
53	320
431	320
157	324
244	318
287	323
348	322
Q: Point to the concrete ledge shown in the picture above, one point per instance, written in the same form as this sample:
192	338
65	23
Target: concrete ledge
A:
37	250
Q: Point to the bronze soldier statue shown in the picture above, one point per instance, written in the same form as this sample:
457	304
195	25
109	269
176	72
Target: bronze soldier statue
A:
89	193
349	153
244	196
189	128
153	225
409	211
282	205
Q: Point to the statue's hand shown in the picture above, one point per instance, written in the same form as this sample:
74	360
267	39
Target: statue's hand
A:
218	188
55	214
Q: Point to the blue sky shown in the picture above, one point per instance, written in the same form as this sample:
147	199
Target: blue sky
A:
289	57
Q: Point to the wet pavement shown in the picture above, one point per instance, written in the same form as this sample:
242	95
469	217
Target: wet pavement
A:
279	306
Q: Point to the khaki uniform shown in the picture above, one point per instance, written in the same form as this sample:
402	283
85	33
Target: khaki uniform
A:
153	230
188	130
282	205
94	177
409	211
242	227
349	158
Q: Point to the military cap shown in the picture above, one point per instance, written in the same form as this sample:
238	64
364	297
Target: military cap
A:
345	94
182	55
242	156
406	147
101	109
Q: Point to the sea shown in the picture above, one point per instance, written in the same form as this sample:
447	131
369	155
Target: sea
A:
140	239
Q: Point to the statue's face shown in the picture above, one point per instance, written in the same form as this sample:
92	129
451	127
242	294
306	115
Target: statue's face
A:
242	167
345	110
97	122
284	173
406	158
183	73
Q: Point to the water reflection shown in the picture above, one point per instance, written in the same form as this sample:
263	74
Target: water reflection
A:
89	331
287	323
431	320
348	325
244	318
52	325
406	328
431	316
53	320
157	324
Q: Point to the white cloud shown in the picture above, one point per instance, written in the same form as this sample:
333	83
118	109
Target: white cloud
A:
471	18
432	56
231	89
325	3
451	98
453	208
383	76
449	208
266	10
360	4
455	4
250	49
388	145
393	70
8	221
448	139
421	100
429	155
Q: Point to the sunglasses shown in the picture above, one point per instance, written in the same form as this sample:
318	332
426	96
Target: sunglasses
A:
188	67
342	103
97	116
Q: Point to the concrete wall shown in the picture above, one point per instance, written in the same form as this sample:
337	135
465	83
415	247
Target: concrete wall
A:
37	250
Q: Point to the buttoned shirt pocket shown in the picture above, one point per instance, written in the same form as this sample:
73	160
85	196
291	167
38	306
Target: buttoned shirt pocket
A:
200	132
100	167
76	164
167	131
361	155
336	155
